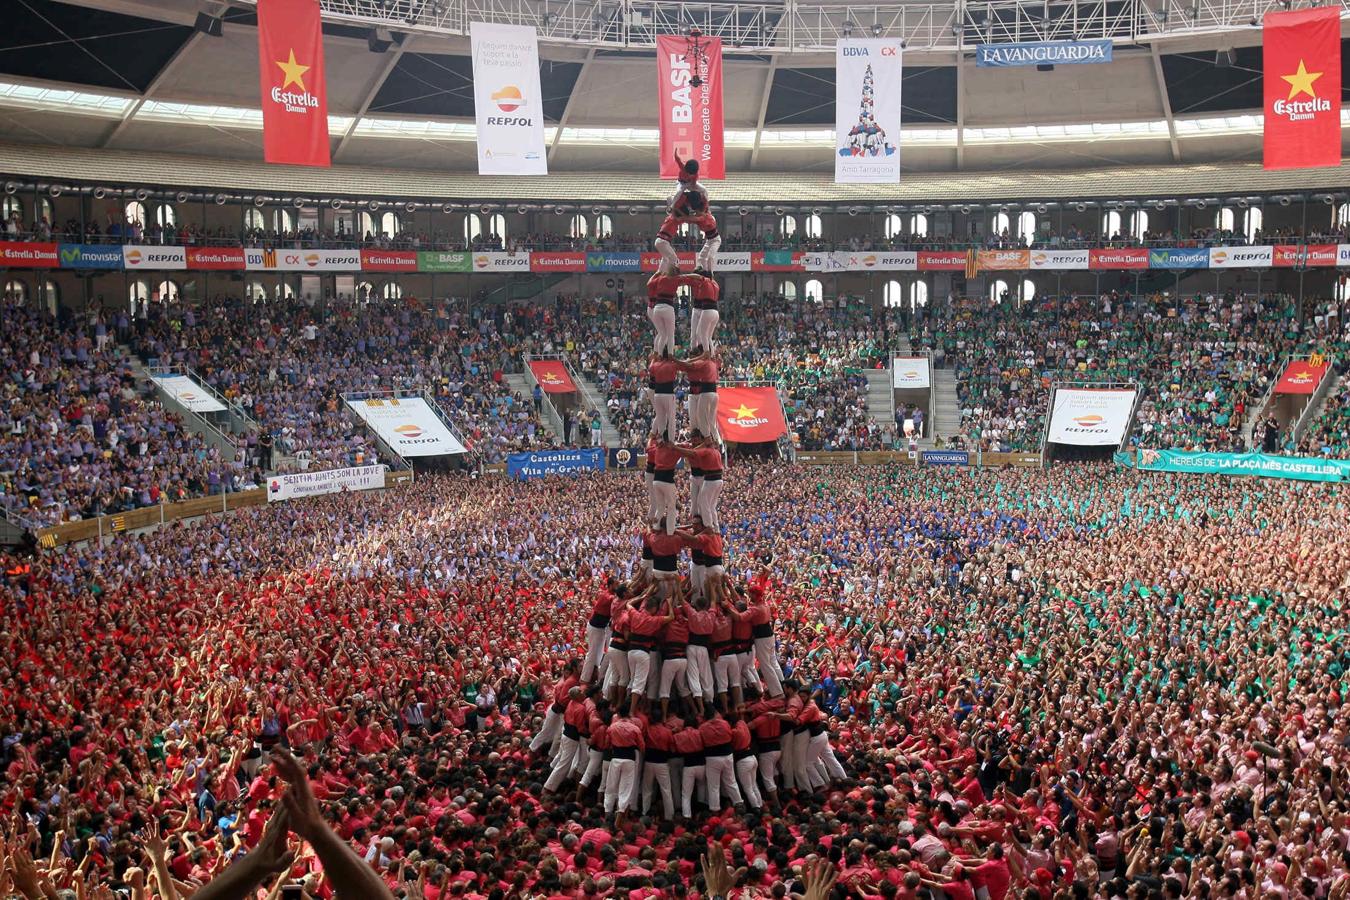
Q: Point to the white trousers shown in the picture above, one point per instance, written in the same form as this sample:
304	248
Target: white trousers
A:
662	317
562	763
699	672
703	327
653	674
822	753
691	776
616	669
697	573
673	676
663	422
707	254
667	252
620	785
727	671
597	639
667	505
720	774
548	733
594	760
703	411
746	767
707	502
794	747
768	769
656	776
769	669
695	488
746	661
639	667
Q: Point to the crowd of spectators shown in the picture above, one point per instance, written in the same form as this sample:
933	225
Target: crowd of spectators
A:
1082	683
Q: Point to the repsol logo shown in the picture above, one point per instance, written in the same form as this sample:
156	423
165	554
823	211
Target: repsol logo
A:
509	120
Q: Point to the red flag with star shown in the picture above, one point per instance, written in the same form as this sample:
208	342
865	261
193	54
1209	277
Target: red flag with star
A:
1302	61
294	90
749	415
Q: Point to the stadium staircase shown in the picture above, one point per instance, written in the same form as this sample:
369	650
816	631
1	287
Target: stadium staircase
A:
946	408
593	399
524	289
520	383
221	434
880	397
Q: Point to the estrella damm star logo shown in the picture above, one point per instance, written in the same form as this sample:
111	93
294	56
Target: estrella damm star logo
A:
1301	82
746	412
294	72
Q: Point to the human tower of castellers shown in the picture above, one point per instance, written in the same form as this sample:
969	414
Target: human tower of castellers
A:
681	692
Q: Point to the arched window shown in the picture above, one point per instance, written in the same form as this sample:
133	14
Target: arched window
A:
999	223
604	227
254	221
1110	224
892	226
1343	215
1139	224
684	294
45	209
892	294
390	225
689	230
1026	226
135	211
1028	291
138	295
1251	223
918	225
473	228
168	291
813	226
255	291
51	295
1342	290
284	290
577	229
1223	218
815	291
918	294
787	226
365	224
16	290
165	215
497	225
393	291
365	292
788	289
282	222
10	207
998	290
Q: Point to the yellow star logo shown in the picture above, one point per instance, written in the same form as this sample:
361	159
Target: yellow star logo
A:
1301	82
295	73
746	412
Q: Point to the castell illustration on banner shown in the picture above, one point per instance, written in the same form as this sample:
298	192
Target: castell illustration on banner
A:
868	78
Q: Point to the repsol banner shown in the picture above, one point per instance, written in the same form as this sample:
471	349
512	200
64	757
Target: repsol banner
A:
554	462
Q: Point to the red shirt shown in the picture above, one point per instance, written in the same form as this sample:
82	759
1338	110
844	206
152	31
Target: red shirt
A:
688	740
626	733
715	732
662	370
663	544
663	458
709	459
704	369
661	289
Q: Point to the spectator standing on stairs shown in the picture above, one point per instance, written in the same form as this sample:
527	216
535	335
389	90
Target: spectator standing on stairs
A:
596	429
567	427
265	451
538	398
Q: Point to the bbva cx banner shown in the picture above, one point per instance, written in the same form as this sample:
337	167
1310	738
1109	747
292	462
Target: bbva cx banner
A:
689	94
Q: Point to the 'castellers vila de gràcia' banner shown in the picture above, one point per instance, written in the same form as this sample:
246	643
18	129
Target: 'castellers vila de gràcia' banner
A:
689	104
507	103
867	111
294	89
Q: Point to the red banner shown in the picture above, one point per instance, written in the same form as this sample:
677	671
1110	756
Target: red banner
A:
652	261
388	260
1288	256
552	376
690	116
1118	258
750	415
17	255
942	260
557	262
1301	377
1302	77
215	259
294	90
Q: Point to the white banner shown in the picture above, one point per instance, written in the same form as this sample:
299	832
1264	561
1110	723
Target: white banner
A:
733	262
861	261
1060	259
291	260
328	481
1241	257
142	257
501	262
189	393
910	372
408	426
1343	255
1090	417
867	111
507	102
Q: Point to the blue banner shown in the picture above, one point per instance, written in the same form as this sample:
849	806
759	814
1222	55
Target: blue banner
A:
90	256
945	457
554	462
1179	258
613	262
623	457
1300	468
1042	53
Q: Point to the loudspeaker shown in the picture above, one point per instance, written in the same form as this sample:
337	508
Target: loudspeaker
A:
213	26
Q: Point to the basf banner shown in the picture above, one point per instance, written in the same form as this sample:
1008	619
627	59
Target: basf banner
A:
501	262
508	105
1043	53
189	393
554	462
1090	417
1240	257
1343	256
407	425
328	481
141	257
750	415
1063	260
867	84
258	260
1002	260
689	104
910	372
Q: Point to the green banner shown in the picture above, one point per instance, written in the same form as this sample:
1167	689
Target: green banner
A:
1301	468
444	261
